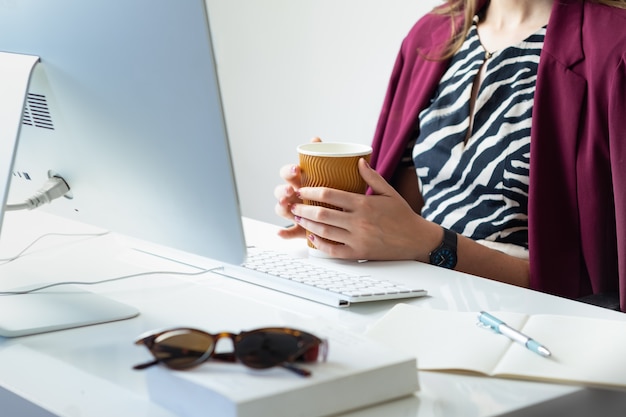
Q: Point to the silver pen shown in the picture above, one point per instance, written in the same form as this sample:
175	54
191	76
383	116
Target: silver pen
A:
501	327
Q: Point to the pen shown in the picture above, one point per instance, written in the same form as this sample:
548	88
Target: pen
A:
501	327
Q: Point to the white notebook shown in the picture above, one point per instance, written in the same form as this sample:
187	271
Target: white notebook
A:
584	350
358	373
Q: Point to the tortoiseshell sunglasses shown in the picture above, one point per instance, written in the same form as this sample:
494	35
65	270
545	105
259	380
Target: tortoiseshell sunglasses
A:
184	348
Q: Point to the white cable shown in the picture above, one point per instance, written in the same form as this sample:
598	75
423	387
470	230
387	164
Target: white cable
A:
103	281
54	188
56	284
31	244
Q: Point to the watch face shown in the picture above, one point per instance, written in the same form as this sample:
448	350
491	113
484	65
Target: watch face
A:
443	257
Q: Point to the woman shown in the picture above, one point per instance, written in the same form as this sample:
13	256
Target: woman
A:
516	128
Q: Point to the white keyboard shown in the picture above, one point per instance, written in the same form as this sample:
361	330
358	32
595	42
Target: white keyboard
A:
295	276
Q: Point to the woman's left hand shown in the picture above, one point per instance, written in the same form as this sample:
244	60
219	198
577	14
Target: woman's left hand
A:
380	226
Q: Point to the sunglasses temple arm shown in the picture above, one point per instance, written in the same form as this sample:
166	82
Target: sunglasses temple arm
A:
146	365
293	368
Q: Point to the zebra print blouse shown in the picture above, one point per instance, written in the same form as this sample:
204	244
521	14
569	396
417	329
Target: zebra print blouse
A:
477	184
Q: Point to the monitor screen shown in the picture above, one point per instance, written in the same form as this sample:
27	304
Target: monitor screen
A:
124	105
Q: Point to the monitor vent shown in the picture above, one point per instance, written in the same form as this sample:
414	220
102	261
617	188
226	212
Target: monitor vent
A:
36	112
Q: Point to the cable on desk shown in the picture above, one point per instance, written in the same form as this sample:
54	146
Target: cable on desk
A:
56	284
104	281
30	245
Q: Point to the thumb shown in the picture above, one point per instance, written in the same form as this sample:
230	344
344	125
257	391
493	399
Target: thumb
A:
374	180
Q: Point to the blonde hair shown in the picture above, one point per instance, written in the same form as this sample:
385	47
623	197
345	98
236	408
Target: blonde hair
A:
462	12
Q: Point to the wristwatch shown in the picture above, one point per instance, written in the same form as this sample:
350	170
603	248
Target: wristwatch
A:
445	254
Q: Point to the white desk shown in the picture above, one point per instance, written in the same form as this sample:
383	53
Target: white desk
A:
87	371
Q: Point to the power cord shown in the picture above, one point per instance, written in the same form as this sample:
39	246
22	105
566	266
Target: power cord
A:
30	245
54	188
103	281
60	283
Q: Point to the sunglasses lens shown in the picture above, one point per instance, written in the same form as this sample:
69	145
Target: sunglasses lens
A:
267	348
182	349
316	352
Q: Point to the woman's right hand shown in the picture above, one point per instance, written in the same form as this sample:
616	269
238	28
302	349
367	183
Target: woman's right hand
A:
287	194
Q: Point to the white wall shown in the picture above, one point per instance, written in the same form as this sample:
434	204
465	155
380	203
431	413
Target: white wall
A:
294	69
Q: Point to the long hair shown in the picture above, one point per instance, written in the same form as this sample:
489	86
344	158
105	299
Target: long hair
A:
463	11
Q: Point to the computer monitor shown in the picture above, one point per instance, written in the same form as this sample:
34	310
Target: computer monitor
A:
124	105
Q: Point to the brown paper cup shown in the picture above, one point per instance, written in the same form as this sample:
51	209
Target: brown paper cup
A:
333	165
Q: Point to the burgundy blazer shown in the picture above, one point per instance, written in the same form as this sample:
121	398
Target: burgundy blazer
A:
577	192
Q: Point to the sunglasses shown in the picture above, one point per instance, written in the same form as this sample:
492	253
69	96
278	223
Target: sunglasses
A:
184	348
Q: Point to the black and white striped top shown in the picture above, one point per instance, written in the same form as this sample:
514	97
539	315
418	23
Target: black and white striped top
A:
477	184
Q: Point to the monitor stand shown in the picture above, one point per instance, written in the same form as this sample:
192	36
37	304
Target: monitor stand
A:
53	309
57	308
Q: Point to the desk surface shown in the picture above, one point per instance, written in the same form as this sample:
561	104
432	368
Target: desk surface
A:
78	372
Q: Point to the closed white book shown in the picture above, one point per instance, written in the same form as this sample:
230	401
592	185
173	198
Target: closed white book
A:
359	372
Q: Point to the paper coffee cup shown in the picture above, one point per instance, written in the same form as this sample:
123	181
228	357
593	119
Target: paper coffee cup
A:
333	165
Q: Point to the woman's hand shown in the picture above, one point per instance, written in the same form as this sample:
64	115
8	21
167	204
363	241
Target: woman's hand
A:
287	195
381	226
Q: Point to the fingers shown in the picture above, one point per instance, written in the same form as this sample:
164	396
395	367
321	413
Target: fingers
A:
287	195
322	222
285	192
374	180
305	215
291	232
334	250
347	201
316	231
291	175
287	198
